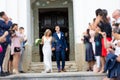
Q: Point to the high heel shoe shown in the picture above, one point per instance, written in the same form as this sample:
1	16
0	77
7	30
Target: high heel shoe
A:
15	71
47	71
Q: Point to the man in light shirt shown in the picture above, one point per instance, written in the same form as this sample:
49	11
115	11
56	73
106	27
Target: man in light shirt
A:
116	16
59	45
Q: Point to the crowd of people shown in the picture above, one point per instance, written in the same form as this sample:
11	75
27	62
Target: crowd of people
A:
101	39
102	44
12	46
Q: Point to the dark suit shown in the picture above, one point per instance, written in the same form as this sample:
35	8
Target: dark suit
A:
60	45
112	66
4	27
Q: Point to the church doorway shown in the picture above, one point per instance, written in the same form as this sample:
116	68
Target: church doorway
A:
48	19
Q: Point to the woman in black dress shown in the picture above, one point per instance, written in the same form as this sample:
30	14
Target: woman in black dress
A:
105	27
103	23
89	51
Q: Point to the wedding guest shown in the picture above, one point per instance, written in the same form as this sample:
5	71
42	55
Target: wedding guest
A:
47	51
113	53
88	50
5	24
116	16
104	25
92	34
16	47
23	42
98	49
6	60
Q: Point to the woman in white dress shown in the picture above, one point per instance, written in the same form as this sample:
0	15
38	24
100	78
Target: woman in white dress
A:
47	51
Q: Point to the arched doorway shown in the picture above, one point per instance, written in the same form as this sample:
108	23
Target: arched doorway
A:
47	15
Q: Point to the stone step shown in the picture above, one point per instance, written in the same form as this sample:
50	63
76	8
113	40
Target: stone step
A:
56	76
37	67
53	63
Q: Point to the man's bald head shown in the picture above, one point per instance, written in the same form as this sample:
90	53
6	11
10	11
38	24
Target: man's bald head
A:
116	14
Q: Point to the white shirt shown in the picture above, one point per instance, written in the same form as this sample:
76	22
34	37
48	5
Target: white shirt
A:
117	49
2	19
118	20
59	35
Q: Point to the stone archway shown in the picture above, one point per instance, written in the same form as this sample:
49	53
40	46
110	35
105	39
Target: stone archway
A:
52	4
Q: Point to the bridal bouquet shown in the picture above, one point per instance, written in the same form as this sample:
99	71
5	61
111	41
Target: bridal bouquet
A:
38	41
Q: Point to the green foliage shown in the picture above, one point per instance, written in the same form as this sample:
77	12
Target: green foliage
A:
38	41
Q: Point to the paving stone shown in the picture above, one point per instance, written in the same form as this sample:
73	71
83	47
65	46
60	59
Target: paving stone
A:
56	76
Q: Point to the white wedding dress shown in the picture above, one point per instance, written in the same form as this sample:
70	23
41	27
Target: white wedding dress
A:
47	53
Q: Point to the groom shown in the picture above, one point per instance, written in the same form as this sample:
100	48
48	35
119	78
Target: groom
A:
59	45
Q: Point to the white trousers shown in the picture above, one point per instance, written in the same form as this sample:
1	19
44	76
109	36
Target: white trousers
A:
93	46
97	61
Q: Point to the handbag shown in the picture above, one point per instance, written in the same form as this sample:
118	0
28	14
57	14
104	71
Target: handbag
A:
1	49
17	49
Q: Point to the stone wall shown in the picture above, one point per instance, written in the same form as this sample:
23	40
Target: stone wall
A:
55	4
27	59
80	56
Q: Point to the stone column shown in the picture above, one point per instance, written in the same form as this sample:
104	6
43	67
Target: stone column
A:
71	31
24	20
19	11
78	30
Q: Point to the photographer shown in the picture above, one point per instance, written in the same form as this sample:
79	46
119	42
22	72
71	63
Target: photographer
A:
5	24
113	56
16	40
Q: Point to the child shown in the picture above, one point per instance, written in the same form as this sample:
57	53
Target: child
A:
21	30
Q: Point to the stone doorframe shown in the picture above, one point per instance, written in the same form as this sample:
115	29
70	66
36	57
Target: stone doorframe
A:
52	4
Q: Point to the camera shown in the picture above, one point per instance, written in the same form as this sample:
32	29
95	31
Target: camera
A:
12	32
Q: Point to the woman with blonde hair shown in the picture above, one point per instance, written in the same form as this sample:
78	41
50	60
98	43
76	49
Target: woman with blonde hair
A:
47	50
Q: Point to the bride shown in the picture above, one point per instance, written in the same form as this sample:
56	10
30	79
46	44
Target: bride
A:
47	51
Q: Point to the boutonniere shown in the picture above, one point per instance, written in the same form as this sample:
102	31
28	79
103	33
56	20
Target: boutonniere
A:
56	41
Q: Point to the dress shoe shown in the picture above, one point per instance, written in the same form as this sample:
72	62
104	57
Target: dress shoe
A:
21	71
63	70
59	70
4	74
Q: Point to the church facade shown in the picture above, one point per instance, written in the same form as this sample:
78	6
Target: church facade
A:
73	17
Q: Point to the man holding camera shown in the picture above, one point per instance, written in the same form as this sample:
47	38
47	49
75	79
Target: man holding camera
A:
116	16
5	24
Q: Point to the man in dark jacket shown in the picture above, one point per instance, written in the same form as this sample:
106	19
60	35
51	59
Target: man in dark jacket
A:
5	24
60	46
112	66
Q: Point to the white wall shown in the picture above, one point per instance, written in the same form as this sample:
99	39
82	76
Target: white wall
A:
19	11
11	8
84	12
2	5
